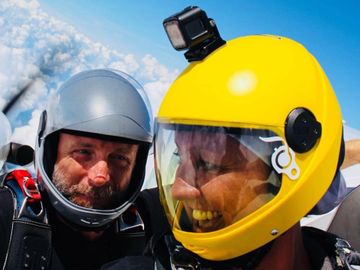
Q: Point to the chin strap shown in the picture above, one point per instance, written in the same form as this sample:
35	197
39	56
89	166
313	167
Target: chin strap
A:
181	258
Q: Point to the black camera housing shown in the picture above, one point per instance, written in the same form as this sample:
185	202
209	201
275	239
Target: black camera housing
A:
191	29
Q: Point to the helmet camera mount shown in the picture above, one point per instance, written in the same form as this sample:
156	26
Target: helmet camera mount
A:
191	29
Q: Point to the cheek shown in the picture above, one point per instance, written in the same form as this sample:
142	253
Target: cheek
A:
222	191
71	170
121	178
229	194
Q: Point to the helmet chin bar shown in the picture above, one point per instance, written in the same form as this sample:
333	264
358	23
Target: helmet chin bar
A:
130	219
181	258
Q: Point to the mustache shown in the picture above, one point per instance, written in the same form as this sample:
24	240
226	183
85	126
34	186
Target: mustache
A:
108	195
95	192
80	188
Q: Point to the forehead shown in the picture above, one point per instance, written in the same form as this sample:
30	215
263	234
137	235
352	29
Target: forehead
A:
201	139
69	140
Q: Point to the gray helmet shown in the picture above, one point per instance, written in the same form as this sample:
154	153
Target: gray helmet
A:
5	134
105	104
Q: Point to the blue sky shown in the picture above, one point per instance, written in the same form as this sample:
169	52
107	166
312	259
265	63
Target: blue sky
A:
47	41
329	29
44	42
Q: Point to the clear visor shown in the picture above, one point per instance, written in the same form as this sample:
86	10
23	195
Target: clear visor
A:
211	177
108	164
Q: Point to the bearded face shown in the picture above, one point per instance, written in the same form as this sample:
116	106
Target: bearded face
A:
93	173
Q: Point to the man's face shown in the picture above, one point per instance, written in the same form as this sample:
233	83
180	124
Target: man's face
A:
93	173
218	180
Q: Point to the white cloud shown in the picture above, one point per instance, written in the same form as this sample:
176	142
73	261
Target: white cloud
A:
37	89
153	70
26	134
36	46
156	90
29	5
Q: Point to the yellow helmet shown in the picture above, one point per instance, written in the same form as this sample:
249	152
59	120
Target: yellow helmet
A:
247	142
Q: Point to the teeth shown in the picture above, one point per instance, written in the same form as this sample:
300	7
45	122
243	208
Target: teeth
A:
204	215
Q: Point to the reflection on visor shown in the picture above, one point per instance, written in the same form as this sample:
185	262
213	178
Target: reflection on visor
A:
212	177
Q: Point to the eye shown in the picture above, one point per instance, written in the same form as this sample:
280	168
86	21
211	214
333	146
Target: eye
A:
208	166
176	154
119	159
81	154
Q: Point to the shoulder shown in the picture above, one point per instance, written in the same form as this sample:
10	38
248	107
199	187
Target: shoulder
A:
148	201
149	206
151	193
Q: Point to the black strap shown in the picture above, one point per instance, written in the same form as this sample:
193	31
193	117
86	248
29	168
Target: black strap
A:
30	246
27	241
6	214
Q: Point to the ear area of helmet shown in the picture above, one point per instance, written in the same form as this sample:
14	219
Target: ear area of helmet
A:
302	130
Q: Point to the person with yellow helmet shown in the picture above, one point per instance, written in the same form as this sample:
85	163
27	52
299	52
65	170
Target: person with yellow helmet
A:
248	139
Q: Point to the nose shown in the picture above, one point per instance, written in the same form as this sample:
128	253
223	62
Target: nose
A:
182	190
99	174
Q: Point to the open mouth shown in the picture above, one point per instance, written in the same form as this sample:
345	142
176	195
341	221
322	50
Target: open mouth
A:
207	221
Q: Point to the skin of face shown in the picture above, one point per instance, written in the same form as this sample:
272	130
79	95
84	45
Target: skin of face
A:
218	180
93	173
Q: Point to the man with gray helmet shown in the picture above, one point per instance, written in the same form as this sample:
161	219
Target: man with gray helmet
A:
91	150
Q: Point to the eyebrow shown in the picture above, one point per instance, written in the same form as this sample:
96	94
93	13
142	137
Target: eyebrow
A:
119	148
124	148
83	144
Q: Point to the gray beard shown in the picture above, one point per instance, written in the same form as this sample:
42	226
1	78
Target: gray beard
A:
106	193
